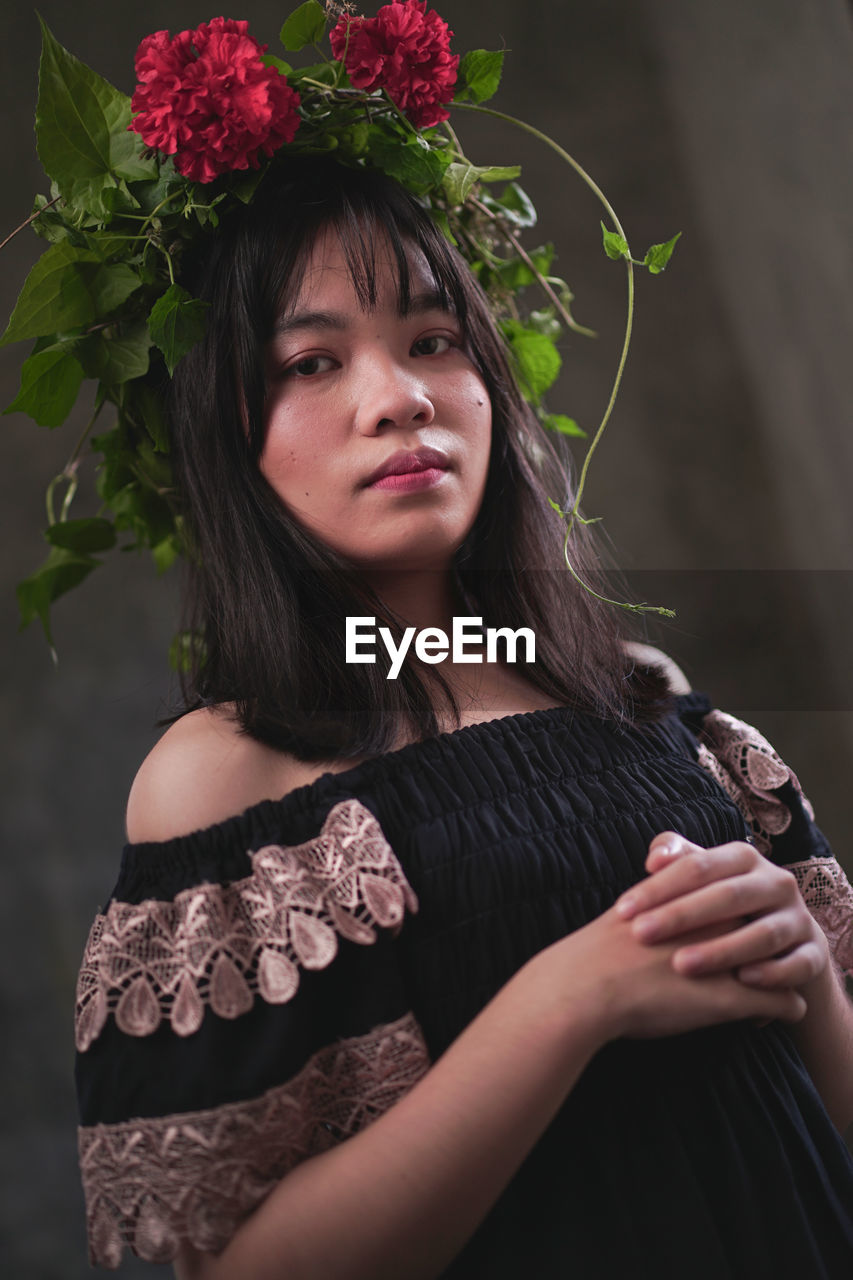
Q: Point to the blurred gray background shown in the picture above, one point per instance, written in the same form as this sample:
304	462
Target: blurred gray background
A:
724	477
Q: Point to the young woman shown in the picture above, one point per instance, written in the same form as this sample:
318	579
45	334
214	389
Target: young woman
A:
384	988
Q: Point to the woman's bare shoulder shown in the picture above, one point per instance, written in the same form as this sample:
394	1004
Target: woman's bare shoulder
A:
649	655
203	770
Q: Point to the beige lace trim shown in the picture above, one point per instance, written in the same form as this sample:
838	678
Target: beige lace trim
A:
749	770
150	1184
828	895
223	944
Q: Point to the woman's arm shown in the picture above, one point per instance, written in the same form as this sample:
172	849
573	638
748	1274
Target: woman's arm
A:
771	939
401	1197
824	1039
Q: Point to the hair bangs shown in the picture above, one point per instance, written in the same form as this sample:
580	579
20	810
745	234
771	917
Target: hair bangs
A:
374	229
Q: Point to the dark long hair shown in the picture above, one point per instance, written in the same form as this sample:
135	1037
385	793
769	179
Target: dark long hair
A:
269	599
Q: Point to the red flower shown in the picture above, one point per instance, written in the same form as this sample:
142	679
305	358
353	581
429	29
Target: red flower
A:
405	50
206	98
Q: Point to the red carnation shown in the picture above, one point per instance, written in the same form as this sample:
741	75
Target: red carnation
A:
404	49
206	98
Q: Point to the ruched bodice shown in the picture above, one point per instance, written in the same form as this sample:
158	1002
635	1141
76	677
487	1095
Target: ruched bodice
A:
706	1155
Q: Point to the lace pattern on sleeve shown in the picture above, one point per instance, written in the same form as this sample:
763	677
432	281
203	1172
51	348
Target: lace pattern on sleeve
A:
828	895
151	1183
749	770
221	945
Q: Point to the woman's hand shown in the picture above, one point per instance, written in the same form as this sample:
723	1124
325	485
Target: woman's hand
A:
770	938
602	976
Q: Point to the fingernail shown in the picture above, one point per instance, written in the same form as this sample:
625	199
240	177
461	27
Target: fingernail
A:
669	848
687	961
626	907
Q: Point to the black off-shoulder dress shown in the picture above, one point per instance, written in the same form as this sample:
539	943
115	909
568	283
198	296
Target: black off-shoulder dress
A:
258	991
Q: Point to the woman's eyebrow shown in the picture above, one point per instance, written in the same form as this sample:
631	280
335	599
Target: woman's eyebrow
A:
419	303
428	300
310	320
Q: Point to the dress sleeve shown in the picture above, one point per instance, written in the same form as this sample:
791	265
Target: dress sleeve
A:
769	796
232	1029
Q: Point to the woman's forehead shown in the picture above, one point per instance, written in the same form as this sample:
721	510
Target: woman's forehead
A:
365	272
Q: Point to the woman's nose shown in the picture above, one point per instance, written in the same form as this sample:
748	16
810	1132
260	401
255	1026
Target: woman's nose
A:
389	395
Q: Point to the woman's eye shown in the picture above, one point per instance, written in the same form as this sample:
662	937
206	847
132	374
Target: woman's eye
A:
434	345
309	365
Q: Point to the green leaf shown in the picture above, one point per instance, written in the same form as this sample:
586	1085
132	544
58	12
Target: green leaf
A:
116	471
659	255
187	649
555	506
460	178
500	172
615	246
146	405
67	289
304	26
168	183
115	357
282	67
514	274
537	358
479	75
176	323
153	468
50	224
145	513
110	286
165	553
55	296
559	422
514	204
50	380
415	166
84	536
325	72
440	219
545	321
62	571
81	130
246	184
355	137
458	181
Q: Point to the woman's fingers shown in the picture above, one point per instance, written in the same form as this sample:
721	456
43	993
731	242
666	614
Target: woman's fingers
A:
790	1008
690	867
664	849
731	899
734	909
796	969
782	945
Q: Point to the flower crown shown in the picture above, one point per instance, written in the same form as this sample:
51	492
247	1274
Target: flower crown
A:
134	181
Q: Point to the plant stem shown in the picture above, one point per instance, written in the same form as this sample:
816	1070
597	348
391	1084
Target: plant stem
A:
78	448
455	143
35	214
519	248
573	514
596	190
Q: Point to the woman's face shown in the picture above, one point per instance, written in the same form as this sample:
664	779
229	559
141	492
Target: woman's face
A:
347	389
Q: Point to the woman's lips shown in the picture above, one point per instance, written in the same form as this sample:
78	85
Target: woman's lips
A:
405	461
410	481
